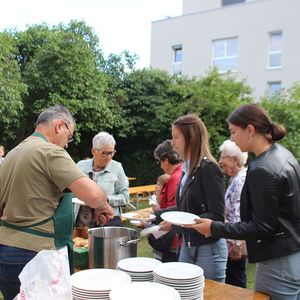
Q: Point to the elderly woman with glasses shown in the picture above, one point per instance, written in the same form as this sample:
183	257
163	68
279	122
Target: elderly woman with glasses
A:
232	161
109	175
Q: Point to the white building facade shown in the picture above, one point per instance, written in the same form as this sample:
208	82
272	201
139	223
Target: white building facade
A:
258	40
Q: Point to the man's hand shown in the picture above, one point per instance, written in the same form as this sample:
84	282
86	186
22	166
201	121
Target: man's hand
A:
104	214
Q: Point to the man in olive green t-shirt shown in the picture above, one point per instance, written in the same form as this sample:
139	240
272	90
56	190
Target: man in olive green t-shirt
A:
35	208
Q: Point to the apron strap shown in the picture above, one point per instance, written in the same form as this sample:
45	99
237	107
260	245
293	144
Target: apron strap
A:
63	220
34	231
38	134
33	225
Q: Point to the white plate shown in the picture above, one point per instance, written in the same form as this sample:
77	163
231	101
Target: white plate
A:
144	291
138	264
135	222
98	279
179	217
178	270
78	201
149	230
131	216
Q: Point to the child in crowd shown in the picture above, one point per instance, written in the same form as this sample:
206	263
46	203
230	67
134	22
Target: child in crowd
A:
160	192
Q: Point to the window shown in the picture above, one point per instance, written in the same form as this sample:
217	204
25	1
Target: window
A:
274	87
225	54
177	60
229	2
275	50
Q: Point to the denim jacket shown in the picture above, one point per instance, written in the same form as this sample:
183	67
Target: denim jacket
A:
112	180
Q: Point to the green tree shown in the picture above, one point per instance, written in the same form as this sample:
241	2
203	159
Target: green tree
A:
284	108
145	91
66	70
212	97
29	42
11	90
155	99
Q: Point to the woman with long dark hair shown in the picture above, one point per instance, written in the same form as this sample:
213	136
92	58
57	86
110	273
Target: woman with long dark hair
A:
270	204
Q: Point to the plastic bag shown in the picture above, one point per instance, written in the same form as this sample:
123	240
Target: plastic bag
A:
46	276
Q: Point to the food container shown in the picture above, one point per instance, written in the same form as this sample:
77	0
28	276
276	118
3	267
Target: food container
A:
107	245
80	254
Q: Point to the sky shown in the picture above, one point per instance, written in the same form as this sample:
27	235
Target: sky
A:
119	24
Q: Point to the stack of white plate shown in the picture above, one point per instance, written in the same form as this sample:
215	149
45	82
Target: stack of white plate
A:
186	278
144	291
96	283
139	268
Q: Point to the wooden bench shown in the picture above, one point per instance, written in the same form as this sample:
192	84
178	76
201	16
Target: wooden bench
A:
142	190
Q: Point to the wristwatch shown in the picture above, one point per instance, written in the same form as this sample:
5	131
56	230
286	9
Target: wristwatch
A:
238	243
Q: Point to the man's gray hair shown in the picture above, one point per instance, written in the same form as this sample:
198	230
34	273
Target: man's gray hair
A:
55	112
231	149
103	138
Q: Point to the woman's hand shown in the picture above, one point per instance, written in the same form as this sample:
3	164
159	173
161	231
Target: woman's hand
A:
203	226
165	226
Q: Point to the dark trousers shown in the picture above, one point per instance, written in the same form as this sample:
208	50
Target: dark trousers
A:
12	262
236	272
169	256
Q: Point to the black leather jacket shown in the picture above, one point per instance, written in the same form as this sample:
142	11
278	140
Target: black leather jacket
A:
203	195
270	207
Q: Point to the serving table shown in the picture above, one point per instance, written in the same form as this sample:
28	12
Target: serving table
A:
220	291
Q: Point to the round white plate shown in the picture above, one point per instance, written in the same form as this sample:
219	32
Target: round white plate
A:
78	201
99	279
138	264
144	291
149	230
178	270
179	217
183	283
89	296
132	216
135	222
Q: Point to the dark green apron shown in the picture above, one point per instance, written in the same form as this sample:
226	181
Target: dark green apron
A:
63	220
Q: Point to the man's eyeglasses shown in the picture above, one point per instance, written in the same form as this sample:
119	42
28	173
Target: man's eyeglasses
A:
70	136
107	153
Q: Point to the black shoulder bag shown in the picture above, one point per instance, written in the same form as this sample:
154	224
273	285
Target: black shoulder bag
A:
163	243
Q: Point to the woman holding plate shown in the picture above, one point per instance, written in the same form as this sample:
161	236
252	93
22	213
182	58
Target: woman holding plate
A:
200	192
270	204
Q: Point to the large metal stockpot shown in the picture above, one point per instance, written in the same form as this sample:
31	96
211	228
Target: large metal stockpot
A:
107	245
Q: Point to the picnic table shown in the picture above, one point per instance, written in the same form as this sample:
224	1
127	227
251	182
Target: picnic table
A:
141	191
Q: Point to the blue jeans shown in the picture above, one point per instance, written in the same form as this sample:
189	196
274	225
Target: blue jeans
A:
279	277
212	258
12	261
